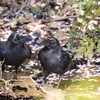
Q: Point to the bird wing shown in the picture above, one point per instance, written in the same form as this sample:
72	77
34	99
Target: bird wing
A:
2	51
40	54
27	51
66	61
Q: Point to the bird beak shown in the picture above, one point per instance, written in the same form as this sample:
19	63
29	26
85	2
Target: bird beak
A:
45	42
25	38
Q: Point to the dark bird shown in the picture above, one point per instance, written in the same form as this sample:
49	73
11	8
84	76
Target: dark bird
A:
14	51
53	58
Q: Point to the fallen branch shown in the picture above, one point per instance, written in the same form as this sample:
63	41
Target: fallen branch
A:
59	19
35	83
46	21
43	20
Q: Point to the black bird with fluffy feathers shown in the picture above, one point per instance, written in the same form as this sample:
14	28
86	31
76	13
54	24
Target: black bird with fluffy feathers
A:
14	51
53	58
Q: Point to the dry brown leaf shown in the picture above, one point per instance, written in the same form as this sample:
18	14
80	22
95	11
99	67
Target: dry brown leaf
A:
64	38
31	3
15	5
58	1
2	21
55	16
22	18
2	1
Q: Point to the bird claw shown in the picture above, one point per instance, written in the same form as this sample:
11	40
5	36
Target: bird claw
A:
5	78
38	86
15	77
41	85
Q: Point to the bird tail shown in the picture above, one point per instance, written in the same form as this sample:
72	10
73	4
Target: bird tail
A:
74	65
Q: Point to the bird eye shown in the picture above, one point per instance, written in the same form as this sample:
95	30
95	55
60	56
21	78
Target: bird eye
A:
53	42
16	39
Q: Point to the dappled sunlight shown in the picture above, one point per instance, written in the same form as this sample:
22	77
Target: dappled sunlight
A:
54	94
76	25
88	89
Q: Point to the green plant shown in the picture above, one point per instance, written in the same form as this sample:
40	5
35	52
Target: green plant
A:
83	28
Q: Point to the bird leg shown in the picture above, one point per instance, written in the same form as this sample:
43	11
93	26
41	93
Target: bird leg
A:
15	76
44	79
3	74
60	78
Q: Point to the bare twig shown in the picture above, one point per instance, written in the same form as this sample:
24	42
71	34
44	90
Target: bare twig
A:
58	19
28	20
10	11
51	20
21	8
43	20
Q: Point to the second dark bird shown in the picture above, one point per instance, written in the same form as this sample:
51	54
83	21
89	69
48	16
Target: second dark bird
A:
53	58
14	51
